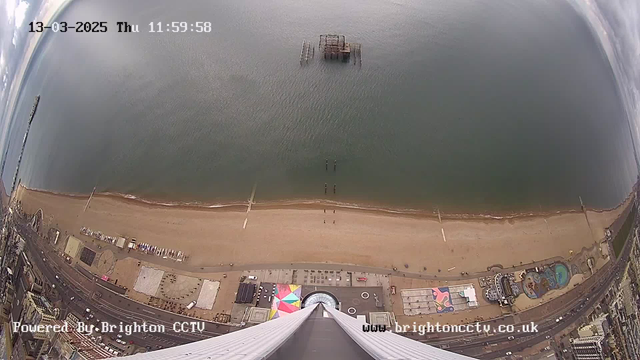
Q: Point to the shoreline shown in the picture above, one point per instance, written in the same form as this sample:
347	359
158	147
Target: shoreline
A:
277	234
316	204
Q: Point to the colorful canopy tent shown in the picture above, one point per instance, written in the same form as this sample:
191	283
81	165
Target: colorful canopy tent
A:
286	300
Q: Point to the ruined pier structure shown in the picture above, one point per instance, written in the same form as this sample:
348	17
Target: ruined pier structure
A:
333	47
336	47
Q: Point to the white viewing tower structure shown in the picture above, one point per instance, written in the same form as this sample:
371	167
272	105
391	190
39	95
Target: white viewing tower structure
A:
315	332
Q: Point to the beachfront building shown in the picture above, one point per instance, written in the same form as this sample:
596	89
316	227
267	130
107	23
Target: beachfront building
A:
73	345
444	299
317	331
466	293
37	311
588	348
598	327
503	290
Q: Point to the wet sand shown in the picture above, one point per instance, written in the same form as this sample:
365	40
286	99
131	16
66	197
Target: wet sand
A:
288	234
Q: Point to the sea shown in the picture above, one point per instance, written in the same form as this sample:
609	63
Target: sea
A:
478	106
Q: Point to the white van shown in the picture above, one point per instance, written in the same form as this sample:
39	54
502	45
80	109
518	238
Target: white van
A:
191	305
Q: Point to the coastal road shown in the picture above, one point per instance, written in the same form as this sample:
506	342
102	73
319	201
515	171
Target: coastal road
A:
78	291
550	330
321	266
112	304
543	315
112	307
571	305
540	315
583	307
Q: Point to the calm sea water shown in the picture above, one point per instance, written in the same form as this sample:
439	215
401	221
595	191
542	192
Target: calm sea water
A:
473	106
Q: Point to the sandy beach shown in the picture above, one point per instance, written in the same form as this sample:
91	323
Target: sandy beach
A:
288	234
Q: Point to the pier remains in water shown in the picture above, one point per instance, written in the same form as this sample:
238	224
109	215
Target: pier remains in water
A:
332	47
336	47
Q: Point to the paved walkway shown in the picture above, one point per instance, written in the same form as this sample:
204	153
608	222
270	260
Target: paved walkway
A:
118	254
185	266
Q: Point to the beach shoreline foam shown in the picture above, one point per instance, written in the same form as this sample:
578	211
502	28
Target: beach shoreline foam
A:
310	204
287	234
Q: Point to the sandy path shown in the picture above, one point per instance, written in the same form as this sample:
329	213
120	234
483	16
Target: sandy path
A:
284	235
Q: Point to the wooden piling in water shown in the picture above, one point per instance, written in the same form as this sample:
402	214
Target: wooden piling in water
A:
305	52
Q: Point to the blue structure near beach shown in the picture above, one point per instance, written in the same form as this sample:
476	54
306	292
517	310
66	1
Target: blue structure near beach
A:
536	284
